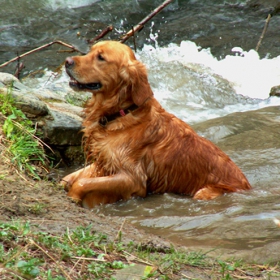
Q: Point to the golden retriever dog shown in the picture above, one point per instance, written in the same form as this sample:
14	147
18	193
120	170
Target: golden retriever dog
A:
133	145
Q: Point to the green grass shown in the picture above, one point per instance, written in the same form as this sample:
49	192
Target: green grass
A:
82	254
27	255
25	149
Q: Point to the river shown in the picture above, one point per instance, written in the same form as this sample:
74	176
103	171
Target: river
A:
203	68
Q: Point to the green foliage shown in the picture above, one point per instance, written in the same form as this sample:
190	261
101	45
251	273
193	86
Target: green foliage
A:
25	149
171	261
29	268
8	229
37	208
84	254
26	252
226	269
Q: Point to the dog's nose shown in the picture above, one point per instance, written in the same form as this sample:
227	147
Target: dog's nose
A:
69	61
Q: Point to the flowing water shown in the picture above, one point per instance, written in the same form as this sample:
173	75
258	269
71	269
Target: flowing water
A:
209	76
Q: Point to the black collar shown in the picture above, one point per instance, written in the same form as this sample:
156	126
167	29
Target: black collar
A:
106	119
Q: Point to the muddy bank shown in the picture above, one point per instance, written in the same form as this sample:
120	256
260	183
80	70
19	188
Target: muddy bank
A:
47	207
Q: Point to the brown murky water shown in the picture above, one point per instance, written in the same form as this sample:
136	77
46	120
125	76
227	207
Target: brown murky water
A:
241	223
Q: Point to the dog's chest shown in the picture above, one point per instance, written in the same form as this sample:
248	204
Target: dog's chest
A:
111	148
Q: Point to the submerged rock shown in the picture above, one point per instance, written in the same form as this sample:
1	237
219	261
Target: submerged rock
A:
270	6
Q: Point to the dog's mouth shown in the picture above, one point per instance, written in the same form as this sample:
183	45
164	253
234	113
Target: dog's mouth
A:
77	85
90	86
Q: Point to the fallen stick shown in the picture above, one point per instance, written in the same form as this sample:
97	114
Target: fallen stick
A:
38	49
20	66
67	276
264	31
141	24
102	34
130	33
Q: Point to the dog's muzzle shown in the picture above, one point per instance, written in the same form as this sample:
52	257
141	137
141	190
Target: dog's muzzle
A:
69	64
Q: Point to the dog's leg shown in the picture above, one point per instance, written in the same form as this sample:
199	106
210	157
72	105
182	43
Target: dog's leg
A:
103	190
210	192
87	172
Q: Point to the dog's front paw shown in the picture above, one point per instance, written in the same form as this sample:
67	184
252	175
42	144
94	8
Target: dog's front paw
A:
64	184
76	192
75	200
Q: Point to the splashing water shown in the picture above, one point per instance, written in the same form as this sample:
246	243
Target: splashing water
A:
191	76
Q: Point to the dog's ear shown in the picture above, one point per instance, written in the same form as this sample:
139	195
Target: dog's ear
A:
138	84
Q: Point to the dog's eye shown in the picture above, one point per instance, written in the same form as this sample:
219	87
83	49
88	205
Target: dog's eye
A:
100	57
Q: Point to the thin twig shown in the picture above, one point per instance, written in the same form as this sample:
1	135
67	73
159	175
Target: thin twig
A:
21	127
242	277
20	66
17	68
88	259
45	252
136	258
18	173
14	257
120	231
74	266
68	235
141	24
188	277
264	31
130	33
102	34
134	40
12	272
38	49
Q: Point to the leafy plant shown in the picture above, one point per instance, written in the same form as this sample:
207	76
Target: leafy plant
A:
29	268
226	268
37	208
84	254
25	148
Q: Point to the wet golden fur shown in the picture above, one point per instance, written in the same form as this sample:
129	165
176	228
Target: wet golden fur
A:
146	151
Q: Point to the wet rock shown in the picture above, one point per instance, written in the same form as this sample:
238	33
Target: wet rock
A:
6	79
24	98
270	6
30	105
62	129
58	122
275	91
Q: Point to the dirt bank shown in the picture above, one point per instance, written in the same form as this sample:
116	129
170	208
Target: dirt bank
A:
44	204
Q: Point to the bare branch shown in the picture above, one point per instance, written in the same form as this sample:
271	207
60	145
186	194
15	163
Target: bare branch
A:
38	49
141	24
102	34
130	33
264	31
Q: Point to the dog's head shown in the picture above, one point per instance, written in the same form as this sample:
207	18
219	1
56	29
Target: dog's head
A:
110	68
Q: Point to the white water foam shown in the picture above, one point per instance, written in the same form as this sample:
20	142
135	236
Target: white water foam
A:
62	4
244	72
251	76
248	74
